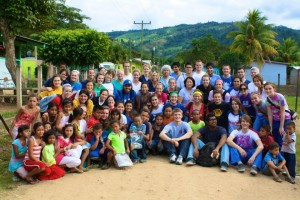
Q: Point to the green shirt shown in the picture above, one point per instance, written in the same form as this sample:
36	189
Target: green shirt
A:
98	89
48	154
117	141
196	127
117	85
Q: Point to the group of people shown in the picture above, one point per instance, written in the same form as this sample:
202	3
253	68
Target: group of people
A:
72	124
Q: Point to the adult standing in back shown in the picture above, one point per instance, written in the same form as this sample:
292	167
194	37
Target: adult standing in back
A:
118	83
210	71
277	115
127	68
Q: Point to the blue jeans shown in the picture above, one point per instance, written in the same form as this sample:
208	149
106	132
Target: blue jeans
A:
182	149
154	144
290	163
237	157
138	154
224	151
260	120
275	130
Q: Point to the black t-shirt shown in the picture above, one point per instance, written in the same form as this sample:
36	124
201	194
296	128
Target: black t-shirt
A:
220	112
212	135
205	92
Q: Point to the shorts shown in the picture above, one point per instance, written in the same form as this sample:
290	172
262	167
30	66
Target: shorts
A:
30	165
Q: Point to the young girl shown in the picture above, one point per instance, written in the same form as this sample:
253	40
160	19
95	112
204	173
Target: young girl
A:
70	150
63	117
19	148
27	115
47	126
32	162
52	114
196	123
120	107
143	97
136	84
75	120
261	111
116	142
115	115
102	99
196	104
49	154
235	114
156	107
155	144
167	115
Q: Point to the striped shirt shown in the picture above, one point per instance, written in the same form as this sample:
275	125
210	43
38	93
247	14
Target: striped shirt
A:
36	150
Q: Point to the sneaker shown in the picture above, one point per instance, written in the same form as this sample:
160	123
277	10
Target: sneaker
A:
142	160
190	162
105	166
224	167
241	168
277	179
173	158
179	160
253	170
290	180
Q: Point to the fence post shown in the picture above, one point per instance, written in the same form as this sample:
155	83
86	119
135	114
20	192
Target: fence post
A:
19	86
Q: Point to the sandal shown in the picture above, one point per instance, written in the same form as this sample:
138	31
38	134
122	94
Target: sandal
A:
277	179
31	181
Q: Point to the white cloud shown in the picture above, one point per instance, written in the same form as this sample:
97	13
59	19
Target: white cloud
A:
108	15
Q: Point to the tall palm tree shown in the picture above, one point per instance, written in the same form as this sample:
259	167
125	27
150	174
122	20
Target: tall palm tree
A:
254	39
288	51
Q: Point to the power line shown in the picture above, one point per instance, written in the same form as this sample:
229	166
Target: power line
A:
142	35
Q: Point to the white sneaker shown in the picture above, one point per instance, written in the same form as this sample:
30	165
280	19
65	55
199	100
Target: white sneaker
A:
179	160
173	158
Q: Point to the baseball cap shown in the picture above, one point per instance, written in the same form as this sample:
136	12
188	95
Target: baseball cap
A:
127	82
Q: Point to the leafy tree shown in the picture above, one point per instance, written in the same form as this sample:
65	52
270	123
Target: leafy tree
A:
75	47
17	17
117	53
254	39
67	17
234	59
288	51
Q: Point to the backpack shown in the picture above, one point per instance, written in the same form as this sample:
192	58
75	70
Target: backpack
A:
205	158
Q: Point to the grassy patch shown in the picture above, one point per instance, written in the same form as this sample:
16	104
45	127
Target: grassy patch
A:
9	114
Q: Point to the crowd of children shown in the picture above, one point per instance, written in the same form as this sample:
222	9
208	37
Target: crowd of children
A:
100	118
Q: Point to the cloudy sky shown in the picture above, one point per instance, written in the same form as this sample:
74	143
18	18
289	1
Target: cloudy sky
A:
114	15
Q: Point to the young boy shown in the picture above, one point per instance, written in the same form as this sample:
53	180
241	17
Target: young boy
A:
274	163
265	137
138	145
196	123
289	148
94	119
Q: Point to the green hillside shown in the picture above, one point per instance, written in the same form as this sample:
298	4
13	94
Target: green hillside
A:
168	41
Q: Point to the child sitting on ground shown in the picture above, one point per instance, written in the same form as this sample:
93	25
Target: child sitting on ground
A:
116	142
274	163
155	144
196	123
288	148
266	138
19	148
94	119
137	132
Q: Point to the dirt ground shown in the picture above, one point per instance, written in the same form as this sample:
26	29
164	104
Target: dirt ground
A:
157	179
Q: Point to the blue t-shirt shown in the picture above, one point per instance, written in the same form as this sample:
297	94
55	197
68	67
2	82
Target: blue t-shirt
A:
269	157
228	82
102	140
176	131
213	79
76	86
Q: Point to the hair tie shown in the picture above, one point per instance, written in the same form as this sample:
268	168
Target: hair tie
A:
198	92
173	92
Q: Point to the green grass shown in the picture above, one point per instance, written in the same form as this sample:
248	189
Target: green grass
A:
9	114
291	100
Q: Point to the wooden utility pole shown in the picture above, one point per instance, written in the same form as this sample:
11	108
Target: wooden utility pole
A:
142	35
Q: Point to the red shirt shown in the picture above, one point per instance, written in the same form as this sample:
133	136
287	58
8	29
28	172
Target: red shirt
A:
266	142
92	121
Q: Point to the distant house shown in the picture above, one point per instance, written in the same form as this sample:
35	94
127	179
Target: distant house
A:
270	71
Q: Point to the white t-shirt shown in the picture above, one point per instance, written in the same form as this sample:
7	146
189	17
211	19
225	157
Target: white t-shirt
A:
128	77
182	77
245	140
137	87
109	87
289	147
186	95
227	96
252	87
